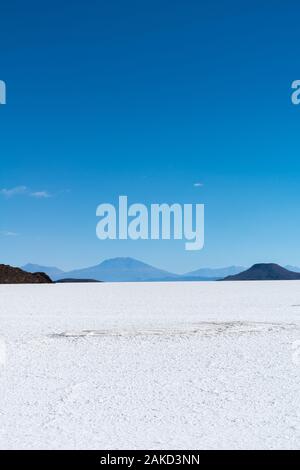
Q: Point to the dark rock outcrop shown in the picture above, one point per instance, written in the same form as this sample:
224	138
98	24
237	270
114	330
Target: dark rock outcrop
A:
265	272
11	275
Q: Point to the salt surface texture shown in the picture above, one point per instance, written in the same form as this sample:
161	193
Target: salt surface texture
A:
171	365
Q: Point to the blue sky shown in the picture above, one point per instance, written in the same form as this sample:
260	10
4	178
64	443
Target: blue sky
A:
147	98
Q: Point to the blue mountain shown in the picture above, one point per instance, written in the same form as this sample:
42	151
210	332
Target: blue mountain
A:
51	271
120	270
215	272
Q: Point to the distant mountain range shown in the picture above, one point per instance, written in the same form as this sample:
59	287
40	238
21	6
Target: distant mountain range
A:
216	272
68	280
265	272
131	270
52	271
295	269
121	270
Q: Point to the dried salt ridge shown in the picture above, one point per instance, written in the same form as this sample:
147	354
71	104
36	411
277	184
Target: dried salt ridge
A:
10	275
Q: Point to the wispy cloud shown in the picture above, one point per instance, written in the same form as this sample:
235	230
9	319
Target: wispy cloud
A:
25	191
41	194
198	184
5	233
17	191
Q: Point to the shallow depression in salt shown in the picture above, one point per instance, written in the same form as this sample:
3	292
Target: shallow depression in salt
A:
150	365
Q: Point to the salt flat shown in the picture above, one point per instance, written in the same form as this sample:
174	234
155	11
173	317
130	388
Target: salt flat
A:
149	365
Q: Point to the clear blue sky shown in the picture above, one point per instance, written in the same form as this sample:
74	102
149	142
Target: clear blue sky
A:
146	98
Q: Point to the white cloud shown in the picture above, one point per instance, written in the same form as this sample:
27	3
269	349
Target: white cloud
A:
40	194
24	191
198	185
6	233
18	190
